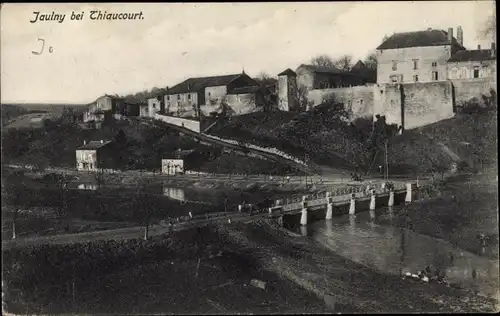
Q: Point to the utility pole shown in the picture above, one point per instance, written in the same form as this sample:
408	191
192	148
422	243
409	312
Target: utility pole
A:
386	176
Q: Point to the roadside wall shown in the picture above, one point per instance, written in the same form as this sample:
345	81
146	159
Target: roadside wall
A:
189	124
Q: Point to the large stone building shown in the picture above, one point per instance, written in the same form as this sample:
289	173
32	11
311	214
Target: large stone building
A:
205	95
420	56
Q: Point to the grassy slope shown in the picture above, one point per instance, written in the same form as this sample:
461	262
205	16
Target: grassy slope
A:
343	147
145	147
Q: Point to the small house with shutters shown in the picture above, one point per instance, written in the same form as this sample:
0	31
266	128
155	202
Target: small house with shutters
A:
95	155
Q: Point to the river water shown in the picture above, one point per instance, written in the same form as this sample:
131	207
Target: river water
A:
389	249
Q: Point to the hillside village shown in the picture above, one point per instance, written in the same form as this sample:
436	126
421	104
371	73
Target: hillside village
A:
420	78
335	185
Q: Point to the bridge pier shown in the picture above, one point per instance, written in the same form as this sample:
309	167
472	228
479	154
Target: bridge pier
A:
391	198
372	200
303	217
408	198
329	208
352	206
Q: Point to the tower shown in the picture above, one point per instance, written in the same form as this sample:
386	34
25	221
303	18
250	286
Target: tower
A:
287	90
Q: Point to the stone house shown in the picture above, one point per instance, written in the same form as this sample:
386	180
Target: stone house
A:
420	56
204	95
95	155
102	109
473	64
317	77
172	166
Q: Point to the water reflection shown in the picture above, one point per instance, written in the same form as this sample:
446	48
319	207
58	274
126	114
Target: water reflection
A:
174	193
303	230
393	250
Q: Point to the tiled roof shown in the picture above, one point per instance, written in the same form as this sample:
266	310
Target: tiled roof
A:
244	90
418	39
321	69
94	145
198	84
472	55
287	72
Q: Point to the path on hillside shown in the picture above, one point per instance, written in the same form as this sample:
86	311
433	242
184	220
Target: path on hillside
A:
215	141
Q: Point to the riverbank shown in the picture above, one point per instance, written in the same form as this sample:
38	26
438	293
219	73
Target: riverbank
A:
354	288
465	207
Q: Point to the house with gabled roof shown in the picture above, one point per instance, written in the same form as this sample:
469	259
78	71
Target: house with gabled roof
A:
95	155
419	56
205	95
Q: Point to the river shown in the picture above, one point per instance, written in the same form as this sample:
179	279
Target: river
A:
368	238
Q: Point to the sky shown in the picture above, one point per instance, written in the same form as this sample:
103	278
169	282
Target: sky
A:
176	41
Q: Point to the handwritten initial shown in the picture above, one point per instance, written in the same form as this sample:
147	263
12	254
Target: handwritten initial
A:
43	45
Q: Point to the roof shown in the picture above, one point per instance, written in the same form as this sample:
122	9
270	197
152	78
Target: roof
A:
197	84
244	90
287	72
418	39
472	55
359	66
321	69
95	144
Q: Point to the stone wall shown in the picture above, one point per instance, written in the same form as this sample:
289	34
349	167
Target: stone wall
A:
189	124
359	99
468	89
414	105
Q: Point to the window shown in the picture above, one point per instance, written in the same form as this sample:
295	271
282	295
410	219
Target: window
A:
396	78
415	78
435	75
168	98
434	64
415	64
209	94
394	65
361	101
476	72
189	96
178	97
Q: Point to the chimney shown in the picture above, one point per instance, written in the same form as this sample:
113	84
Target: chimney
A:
460	35
450	35
493	49
478	47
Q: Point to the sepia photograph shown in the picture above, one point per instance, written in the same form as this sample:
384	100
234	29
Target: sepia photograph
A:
249	158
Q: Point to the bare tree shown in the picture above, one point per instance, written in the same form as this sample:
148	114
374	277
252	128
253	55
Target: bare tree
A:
323	61
489	30
371	61
302	99
343	63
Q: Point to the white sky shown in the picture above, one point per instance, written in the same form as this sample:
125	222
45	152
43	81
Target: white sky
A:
177	41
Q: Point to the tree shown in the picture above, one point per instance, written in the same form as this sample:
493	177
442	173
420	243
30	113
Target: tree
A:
332	111
489	30
371	61
302	100
343	63
323	61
